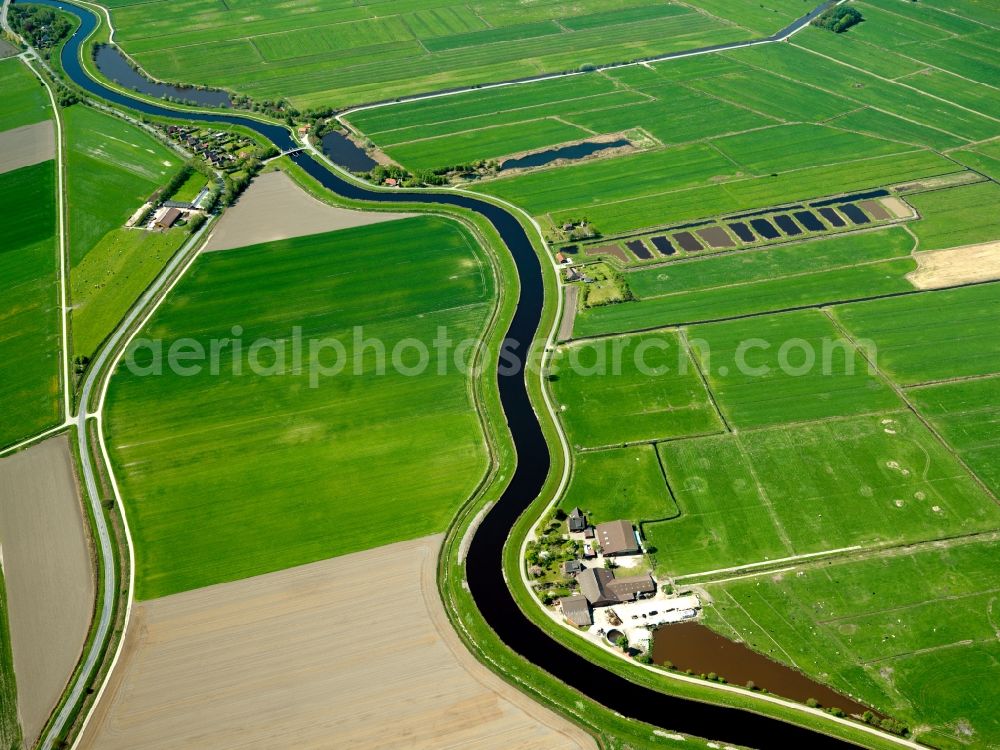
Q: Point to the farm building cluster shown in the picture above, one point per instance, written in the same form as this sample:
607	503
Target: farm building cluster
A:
597	577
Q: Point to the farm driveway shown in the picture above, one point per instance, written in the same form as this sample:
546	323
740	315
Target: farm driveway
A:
49	575
350	652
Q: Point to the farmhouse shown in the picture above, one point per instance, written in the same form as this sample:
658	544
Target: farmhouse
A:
576	609
617	538
601	588
577	521
168	218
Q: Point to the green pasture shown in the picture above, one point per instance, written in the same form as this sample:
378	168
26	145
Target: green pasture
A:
984	158
967	414
29	316
932	335
25	101
190	188
789	147
485	143
339	54
658	188
239	473
111	277
762	17
629	389
880	123
793	367
727	270
816	272
772	95
957	216
619	483
764	296
912	634
767	494
838	74
112	168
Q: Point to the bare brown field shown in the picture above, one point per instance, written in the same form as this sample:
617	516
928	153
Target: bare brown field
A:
956	265
899	208
275	208
612	250
49	574
572	294
353	652
27	145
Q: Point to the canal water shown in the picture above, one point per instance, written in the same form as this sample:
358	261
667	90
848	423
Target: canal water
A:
576	151
343	151
113	64
691	645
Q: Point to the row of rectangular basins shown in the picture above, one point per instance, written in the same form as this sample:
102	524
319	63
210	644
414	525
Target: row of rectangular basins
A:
751	229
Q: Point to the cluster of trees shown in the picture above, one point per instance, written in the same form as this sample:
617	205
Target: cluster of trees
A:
276	108
839	19
383	172
888	724
43	28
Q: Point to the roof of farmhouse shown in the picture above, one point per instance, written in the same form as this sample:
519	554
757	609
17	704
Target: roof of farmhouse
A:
617	538
576	609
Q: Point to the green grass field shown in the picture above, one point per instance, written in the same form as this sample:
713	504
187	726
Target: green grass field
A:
932	335
112	167
29	288
24	99
967	414
231	475
619	483
794	367
111	277
191	187
341	53
629	389
792	490
914	634
957	216
819	271
741	130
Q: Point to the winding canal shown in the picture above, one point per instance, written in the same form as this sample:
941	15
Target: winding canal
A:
484	558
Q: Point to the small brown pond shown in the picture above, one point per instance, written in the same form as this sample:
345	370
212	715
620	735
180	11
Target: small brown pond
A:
690	645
